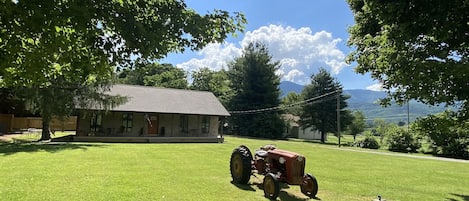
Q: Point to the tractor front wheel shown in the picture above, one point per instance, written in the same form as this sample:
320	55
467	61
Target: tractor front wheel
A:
271	186
309	187
240	165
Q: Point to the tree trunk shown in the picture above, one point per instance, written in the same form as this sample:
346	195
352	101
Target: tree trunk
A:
45	129
354	136
45	101
323	137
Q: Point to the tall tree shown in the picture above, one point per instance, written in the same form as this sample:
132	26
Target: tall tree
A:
68	48
256	86
358	124
321	114
216	82
158	75
416	49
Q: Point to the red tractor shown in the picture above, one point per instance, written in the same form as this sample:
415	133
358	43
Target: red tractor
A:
276	165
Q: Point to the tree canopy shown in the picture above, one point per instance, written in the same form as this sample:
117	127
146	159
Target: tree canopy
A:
71	48
416	49
256	86
42	40
158	75
292	98
358	124
216	82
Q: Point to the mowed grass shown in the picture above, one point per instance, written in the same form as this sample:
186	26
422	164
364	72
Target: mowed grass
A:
108	171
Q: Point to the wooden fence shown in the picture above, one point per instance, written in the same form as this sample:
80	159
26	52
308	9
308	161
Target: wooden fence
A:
9	122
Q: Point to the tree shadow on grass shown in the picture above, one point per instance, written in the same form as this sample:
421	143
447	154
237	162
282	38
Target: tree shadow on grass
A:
51	147
283	195
462	197
246	187
319	142
286	195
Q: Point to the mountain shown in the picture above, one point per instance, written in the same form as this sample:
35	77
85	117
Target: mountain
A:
366	101
287	87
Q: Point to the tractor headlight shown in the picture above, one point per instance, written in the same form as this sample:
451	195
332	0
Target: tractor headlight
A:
282	160
300	158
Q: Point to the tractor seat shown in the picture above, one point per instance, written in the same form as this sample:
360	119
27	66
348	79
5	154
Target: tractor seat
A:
261	153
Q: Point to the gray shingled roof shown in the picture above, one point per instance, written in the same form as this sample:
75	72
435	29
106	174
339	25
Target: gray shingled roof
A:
162	100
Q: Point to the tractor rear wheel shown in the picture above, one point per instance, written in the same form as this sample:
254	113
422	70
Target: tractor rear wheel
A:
240	165
271	186
309	187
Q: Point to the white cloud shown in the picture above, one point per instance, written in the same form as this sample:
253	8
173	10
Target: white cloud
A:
375	87
292	74
300	52
214	56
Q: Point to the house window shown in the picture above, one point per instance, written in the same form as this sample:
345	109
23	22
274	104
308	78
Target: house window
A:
96	122
184	123
127	121
205	124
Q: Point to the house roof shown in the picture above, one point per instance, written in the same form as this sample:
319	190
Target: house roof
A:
164	100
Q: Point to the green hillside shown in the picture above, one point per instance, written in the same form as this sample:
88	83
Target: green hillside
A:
367	102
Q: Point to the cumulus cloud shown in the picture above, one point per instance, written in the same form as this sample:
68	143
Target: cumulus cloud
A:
299	51
214	56
375	87
292	74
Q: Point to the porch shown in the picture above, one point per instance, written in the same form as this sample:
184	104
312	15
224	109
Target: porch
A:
139	139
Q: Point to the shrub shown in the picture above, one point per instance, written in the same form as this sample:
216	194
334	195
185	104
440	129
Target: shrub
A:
401	140
369	142
448	134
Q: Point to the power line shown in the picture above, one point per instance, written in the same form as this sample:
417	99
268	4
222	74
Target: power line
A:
283	107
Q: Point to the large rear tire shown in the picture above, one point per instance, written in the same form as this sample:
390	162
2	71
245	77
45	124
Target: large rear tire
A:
240	165
271	186
309	187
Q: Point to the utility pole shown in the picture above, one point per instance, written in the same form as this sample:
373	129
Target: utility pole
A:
408	114
338	115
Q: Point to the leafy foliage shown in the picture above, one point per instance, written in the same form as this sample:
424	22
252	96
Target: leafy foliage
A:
448	134
256	86
369	142
13	103
358	124
417	49
322	114
158	75
292	98
401	140
216	82
70	48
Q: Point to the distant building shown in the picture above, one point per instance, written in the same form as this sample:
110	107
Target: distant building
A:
293	129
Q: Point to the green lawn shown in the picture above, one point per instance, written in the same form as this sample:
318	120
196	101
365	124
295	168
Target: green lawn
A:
99	171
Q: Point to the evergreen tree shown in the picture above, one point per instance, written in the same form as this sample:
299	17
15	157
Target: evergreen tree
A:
256	86
322	113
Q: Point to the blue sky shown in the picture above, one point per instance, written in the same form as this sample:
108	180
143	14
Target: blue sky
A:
303	35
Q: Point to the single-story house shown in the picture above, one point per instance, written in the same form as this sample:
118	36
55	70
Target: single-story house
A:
152	113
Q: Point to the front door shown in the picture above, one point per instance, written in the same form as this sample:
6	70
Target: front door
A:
153	125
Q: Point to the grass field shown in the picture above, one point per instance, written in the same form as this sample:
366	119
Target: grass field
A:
99	171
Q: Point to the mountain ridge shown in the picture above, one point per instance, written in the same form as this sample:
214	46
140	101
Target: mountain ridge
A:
367	101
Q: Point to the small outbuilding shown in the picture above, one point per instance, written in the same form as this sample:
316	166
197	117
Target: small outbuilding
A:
154	115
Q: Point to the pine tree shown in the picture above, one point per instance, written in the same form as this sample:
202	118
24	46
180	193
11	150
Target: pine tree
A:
256	86
322	113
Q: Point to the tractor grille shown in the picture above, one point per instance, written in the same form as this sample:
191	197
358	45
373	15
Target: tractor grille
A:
295	171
